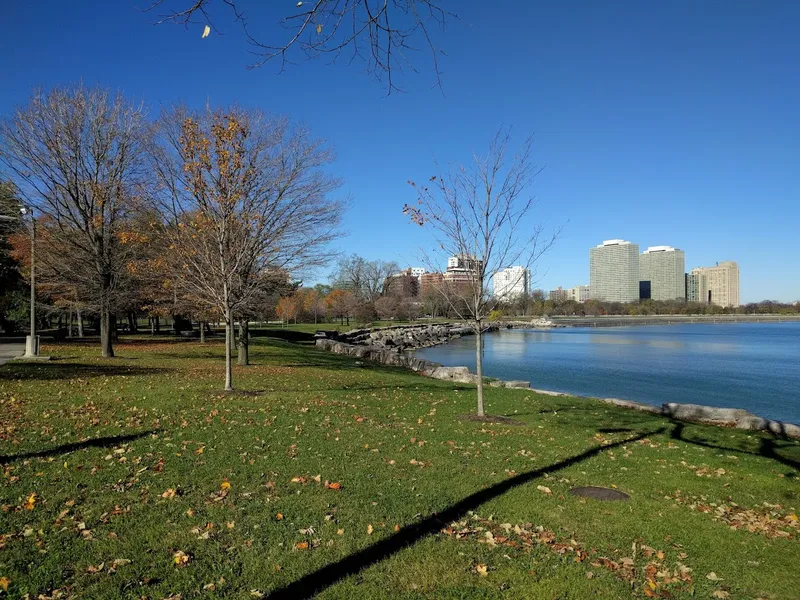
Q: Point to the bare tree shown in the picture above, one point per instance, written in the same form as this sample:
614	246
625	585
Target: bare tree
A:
367	279
75	154
387	35
481	214
246	195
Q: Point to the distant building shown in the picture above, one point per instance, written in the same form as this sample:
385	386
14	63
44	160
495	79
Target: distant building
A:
692	287
662	272
430	281
418	272
462	271
717	285
614	271
559	294
511	282
403	284
579	293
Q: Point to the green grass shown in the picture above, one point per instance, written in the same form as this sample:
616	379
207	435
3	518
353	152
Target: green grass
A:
99	442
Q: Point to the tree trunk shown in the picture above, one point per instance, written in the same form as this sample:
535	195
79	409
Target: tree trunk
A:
79	318
70	323
105	333
228	342
157	324
152	325
479	365
133	326
202	332
232	341
244	342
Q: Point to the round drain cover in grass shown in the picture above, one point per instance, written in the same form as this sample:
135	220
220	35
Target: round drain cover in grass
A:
599	493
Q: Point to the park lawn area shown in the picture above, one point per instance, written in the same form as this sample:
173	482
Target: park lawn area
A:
137	477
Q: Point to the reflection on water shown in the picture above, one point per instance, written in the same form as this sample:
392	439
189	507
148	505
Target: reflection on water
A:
755	366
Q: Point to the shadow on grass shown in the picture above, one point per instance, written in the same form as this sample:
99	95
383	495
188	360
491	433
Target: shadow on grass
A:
58	370
321	579
103	442
767	448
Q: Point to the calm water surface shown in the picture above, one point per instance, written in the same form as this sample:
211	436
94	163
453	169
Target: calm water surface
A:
755	366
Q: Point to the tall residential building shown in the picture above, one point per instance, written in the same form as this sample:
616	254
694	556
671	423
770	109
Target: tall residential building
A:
662	269
429	282
462	271
511	282
558	295
717	285
614	271
692	287
417	272
579	293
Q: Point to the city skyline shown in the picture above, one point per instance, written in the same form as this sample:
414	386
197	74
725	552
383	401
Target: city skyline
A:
724	133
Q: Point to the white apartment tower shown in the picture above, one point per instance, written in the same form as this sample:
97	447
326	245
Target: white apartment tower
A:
662	272
716	285
614	271
511	282
579	293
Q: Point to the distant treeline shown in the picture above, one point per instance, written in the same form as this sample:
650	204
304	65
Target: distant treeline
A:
533	306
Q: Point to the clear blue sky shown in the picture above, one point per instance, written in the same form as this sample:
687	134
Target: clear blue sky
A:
663	123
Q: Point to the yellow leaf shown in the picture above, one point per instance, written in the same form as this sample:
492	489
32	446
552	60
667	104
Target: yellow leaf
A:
206	31
30	502
319	28
180	558
370	529
340	532
481	570
544	489
301	545
4	583
170	493
226	485
279	517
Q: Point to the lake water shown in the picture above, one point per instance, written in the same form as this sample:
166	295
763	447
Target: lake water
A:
755	366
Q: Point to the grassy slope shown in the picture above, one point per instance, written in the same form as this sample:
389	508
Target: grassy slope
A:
362	426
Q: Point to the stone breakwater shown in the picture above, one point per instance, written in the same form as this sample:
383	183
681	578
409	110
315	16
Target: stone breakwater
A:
384	346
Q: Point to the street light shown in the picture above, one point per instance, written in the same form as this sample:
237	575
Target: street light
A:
31	341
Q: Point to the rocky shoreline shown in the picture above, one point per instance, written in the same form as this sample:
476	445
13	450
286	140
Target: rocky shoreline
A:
385	345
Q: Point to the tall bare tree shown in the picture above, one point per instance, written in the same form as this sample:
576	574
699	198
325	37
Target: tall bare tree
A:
75	154
246	195
367	279
482	214
387	35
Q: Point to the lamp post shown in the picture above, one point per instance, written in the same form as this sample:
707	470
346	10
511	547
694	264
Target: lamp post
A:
32	341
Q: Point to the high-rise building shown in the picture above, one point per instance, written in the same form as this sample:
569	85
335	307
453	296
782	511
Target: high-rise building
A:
614	271
511	282
662	271
558	295
579	293
462	271
692	287
430	281
716	285
418	272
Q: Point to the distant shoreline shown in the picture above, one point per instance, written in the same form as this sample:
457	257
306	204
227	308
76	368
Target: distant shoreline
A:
620	321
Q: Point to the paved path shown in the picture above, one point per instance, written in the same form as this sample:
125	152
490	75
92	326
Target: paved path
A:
9	351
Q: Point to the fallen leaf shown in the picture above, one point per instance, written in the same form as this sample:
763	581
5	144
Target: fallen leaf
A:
370	529
30	502
720	594
279	517
333	486
481	569
4	583
301	545
180	558
713	577
170	493
544	489
225	485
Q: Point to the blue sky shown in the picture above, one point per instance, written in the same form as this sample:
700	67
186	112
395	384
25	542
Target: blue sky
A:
663	123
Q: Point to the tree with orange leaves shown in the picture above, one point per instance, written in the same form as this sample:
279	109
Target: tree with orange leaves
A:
245	195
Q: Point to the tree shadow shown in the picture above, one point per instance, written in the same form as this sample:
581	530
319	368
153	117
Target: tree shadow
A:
767	447
102	442
57	370
321	579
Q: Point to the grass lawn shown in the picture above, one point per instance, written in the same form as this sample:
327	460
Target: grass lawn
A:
136	477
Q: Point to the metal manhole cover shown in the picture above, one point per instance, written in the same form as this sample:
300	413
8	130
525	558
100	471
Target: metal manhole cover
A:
599	493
